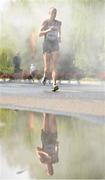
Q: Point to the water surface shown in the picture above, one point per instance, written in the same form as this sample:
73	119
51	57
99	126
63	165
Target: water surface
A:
81	145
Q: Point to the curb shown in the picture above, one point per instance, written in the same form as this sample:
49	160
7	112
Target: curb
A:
73	82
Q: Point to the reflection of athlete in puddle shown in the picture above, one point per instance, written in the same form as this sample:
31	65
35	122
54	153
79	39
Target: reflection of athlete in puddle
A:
48	153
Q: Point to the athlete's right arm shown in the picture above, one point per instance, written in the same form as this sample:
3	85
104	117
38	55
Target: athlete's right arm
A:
43	29
42	153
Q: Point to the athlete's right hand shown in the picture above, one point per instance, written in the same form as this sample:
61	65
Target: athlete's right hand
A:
50	29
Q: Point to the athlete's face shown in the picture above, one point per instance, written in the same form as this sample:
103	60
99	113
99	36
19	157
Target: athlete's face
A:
53	13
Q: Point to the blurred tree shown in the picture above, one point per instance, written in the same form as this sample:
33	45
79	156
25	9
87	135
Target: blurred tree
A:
5	61
88	36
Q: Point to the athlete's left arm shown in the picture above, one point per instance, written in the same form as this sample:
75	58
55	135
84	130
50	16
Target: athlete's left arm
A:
59	31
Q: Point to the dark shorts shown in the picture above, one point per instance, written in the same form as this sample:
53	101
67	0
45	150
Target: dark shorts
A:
48	137
50	47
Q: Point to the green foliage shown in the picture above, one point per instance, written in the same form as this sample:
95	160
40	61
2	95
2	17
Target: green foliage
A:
23	2
7	118
5	60
88	36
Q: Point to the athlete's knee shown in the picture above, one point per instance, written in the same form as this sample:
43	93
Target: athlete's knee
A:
53	72
46	69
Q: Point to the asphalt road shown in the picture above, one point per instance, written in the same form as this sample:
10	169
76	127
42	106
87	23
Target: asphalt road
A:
90	92
70	99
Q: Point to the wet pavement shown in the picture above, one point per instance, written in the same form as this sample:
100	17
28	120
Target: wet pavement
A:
79	113
81	145
70	99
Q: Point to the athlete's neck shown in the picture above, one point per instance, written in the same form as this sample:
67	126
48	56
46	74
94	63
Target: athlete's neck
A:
51	19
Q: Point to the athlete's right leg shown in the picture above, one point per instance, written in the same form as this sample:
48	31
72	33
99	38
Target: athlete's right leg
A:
45	122
46	58
52	123
55	58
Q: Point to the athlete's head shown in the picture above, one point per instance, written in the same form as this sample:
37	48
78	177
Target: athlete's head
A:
50	169
52	13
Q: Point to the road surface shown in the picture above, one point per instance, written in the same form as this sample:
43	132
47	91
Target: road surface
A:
70	99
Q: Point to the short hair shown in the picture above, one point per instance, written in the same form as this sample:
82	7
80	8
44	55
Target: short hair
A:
53	9
50	170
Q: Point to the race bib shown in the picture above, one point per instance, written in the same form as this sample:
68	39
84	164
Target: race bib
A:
52	36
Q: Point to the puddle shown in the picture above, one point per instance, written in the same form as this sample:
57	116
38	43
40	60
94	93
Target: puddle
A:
47	146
